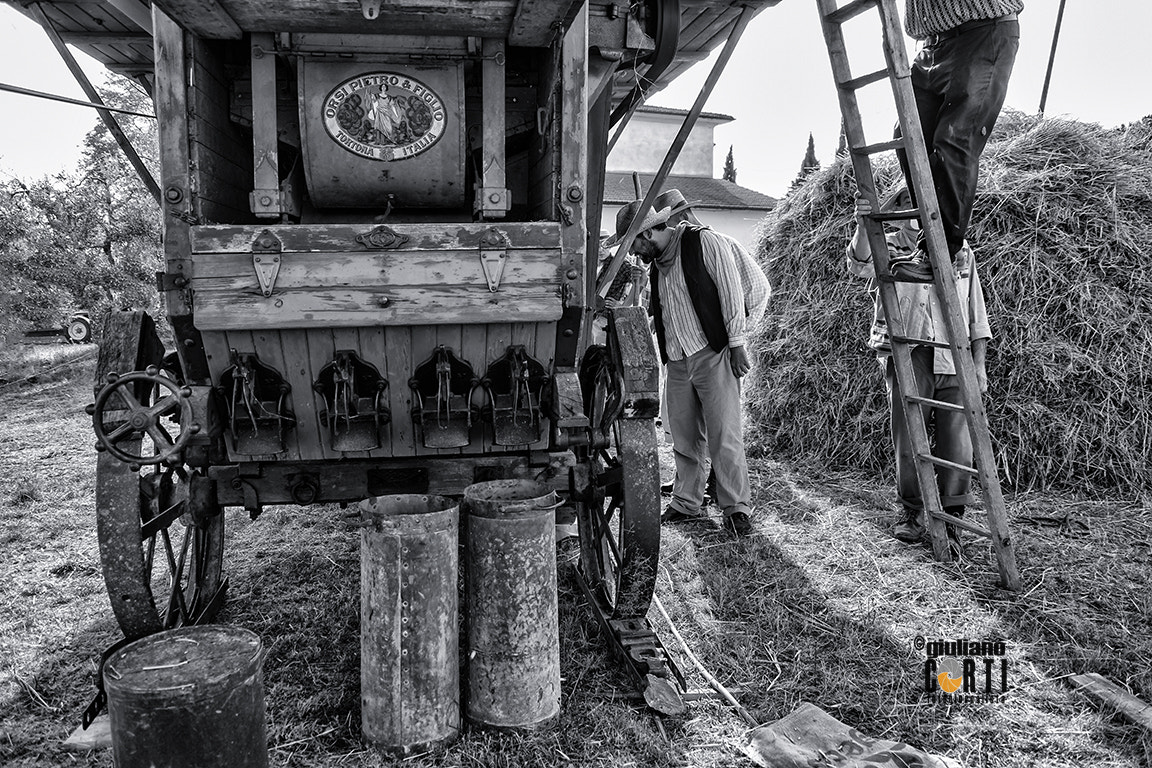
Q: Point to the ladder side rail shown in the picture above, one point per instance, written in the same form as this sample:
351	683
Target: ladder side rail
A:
901	354
928	204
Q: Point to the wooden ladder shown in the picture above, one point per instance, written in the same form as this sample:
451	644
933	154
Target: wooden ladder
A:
896	71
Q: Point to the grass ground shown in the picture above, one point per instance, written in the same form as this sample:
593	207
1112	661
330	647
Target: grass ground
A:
821	606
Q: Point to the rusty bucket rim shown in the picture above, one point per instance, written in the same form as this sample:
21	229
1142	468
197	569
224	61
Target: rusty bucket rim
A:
544	500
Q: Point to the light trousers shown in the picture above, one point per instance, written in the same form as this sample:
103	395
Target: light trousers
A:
704	415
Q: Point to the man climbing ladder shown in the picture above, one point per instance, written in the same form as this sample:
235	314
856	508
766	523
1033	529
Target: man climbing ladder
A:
940	271
959	79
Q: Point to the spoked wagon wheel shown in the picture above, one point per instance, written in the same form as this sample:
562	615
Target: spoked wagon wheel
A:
161	545
619	513
159	525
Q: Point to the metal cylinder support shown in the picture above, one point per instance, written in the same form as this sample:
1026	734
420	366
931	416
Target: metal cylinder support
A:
192	696
409	625
513	636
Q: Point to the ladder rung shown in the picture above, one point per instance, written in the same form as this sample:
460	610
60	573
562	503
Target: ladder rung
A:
857	83
934	403
960	522
911	213
920	342
875	149
945	463
850	11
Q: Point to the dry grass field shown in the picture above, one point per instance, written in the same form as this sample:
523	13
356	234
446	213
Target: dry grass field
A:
821	606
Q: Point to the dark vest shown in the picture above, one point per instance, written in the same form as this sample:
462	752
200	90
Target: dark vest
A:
702	289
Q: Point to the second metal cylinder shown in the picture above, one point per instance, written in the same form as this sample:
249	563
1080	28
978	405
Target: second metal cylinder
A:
513	636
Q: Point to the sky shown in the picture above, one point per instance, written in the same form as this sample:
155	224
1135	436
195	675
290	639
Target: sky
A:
778	86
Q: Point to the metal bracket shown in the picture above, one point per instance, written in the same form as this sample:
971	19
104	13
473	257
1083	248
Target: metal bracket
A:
382	238
492	201
493	255
266	260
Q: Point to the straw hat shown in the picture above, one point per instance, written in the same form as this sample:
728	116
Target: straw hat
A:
626	215
675	200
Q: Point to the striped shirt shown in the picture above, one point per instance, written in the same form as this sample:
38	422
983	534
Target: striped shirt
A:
684	336
920	306
931	17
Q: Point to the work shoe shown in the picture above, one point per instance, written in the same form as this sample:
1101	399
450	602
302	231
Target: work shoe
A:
909	530
739	524
673	515
914	268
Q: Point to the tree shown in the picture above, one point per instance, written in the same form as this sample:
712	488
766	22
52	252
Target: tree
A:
84	239
730	167
842	147
809	164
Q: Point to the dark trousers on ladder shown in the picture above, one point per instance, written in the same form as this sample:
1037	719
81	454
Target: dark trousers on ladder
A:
948	434
960	79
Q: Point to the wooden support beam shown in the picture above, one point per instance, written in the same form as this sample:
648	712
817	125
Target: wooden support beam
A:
537	22
1103	691
492	198
107	38
137	12
265	197
93	96
206	18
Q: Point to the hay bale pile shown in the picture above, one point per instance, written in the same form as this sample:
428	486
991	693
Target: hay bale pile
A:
1063	233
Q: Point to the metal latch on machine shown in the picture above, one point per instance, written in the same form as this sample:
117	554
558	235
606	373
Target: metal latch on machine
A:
442	388
493	255
266	250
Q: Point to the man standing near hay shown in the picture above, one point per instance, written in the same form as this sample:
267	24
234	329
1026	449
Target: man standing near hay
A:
757	289
960	78
935	372
697	300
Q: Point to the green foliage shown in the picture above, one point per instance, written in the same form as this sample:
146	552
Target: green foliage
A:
84	239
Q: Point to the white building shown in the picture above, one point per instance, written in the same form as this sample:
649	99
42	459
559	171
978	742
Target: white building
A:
722	205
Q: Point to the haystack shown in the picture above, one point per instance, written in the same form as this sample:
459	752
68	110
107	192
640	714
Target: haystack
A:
1063	232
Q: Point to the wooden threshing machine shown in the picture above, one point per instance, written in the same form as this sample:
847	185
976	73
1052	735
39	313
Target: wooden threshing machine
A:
380	235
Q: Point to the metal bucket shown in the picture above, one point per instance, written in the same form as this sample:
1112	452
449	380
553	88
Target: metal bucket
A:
513	635
409	625
192	696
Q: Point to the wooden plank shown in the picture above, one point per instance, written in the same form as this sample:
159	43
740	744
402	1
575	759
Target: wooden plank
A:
265	198
375	352
1107	693
537	22
309	433
480	18
234	271
492	196
398	342
321	351
106	38
342	237
205	18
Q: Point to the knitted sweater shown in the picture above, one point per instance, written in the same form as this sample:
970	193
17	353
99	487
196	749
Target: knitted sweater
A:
929	17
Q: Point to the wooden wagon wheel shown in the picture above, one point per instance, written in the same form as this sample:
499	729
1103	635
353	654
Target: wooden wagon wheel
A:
160	528
161	545
618	514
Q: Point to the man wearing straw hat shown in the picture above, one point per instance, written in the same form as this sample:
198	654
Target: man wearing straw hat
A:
697	301
757	289
935	372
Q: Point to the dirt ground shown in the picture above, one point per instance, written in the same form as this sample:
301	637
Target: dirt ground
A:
822	605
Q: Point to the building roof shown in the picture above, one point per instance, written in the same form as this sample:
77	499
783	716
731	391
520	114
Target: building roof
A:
710	193
651	110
